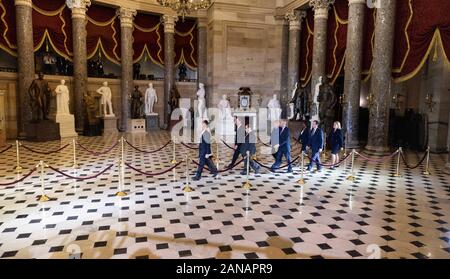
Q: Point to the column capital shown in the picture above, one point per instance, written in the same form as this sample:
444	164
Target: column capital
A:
295	18
78	7
169	23
27	3
126	16
321	7
350	2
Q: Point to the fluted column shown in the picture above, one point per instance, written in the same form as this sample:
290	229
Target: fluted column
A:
353	69
79	34
25	61
169	65
320	8
126	16
202	67
295	20
381	78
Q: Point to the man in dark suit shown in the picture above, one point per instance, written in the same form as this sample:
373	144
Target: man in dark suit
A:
284	146
250	146
239	139
275	138
304	136
315	142
204	153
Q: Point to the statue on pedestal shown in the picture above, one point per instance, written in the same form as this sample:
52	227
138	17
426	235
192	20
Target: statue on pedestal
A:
136	103
314	108
62	99
201	101
298	104
91	121
225	108
40	94
182	72
106	102
150	99
327	103
274	108
174	101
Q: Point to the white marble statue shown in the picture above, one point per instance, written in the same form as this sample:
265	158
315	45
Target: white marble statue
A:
314	102
150	99
291	103
274	108
225	108
62	99
105	101
201	101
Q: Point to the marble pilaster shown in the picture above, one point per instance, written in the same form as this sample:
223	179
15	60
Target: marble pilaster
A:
169	64
320	8
381	79
79	57
284	92
447	166
25	62
353	69
126	16
202	70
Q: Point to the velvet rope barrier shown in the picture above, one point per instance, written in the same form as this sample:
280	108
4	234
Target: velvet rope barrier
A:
281	167
20	180
226	144
220	171
80	178
190	147
6	149
148	152
97	153
381	160
44	152
265	144
153	174
330	165
415	166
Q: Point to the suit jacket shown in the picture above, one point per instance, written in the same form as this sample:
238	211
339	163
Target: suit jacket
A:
304	138
336	139
285	139
249	145
316	140
205	145
239	138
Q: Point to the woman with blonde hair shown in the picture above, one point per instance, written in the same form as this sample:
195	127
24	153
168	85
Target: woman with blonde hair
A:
337	143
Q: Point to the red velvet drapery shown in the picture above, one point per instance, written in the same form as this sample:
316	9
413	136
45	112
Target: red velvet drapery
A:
8	27
306	48
186	43
148	35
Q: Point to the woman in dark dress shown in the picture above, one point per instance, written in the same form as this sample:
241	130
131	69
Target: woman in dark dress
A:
337	143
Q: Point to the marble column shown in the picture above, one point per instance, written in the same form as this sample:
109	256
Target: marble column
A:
202	67
353	69
381	78
295	19
447	166
169	64
283	96
320	8
79	57
126	16
25	62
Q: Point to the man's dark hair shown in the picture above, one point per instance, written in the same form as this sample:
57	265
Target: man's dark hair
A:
317	122
206	122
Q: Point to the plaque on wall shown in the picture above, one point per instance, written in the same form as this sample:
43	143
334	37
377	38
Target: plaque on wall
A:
245	98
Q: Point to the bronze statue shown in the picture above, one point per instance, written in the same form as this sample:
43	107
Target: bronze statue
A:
136	103
90	107
300	103
327	103
174	101
40	94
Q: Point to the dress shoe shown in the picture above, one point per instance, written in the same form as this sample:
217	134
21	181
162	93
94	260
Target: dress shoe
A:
215	174
257	171
289	171
195	178
243	172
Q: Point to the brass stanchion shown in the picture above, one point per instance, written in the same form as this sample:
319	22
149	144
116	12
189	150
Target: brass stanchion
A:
324	153
44	197
427	165
122	193
397	172
217	154
18	166
247	185
174	160
74	143
301	181
187	188
352	174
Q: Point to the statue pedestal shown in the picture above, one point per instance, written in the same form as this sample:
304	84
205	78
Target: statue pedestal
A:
66	125
225	127
110	125
152	121
136	126
45	130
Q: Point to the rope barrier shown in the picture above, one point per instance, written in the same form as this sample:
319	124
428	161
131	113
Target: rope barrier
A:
190	147
148	152
79	178
220	171
98	153
6	149
382	159
226	144
153	174
329	165
281	167
19	180
415	166
43	152
263	143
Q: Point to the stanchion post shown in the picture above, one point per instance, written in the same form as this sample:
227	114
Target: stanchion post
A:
397	171
44	197
301	181
217	154
74	144
187	188
121	192
352	173
174	160
247	185
18	166
324	153
427	165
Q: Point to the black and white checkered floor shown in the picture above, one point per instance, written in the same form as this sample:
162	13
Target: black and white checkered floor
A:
329	217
